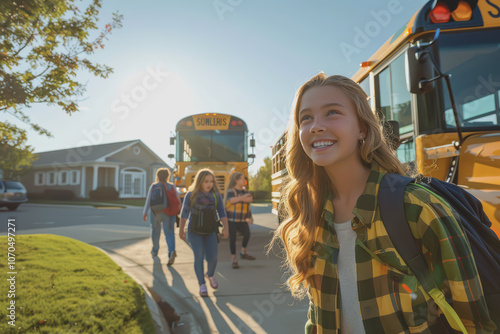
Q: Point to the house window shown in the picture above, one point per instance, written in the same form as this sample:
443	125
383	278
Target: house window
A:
39	179
51	178
63	177
75	177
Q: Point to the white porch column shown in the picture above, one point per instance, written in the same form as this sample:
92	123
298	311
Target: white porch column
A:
96	174
117	178
82	183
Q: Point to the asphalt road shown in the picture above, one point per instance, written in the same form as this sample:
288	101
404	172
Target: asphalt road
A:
39	216
249	300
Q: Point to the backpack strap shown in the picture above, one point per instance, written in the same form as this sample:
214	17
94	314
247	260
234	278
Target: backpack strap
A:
392	211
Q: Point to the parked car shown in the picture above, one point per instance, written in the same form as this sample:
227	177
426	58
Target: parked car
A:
12	194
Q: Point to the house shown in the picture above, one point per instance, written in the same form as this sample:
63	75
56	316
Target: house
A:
129	166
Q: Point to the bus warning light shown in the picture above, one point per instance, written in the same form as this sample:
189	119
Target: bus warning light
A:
367	63
463	11
440	13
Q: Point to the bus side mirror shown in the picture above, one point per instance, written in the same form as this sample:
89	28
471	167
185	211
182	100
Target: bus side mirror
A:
419	69
172	140
420	66
251	156
252	142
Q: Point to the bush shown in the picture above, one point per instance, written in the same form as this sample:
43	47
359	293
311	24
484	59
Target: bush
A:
104	194
35	195
260	194
58	194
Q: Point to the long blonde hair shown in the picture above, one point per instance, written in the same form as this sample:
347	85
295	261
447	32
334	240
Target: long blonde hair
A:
195	187
232	182
308	186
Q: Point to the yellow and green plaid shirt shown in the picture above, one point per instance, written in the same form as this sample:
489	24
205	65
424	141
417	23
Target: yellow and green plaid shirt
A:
391	300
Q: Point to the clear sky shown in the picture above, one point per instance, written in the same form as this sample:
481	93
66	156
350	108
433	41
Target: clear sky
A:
247	58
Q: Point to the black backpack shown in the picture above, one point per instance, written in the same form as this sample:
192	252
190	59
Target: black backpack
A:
484	242
204	221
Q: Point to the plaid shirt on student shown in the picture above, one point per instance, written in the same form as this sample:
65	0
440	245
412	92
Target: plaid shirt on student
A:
239	211
391	300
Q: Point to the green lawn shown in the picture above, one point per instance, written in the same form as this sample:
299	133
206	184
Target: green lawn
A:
66	286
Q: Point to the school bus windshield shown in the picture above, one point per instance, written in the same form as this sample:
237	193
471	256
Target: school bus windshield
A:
467	56
211	145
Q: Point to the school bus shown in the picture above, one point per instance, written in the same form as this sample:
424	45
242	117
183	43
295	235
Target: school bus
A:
279	174
453	137
210	140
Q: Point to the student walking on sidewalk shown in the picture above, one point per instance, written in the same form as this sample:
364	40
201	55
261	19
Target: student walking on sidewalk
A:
239	215
161	219
203	206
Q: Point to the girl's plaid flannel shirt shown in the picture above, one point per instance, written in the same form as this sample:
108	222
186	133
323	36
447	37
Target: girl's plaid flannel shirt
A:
391	299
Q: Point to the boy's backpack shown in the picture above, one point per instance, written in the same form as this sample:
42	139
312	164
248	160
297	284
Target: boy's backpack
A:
204	221
164	200
484	243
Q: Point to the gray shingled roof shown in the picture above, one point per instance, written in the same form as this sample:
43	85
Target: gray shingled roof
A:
77	155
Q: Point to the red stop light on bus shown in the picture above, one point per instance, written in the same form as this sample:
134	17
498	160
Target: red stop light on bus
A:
444	11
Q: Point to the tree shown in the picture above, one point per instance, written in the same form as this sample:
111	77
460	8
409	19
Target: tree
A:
262	179
43	44
16	155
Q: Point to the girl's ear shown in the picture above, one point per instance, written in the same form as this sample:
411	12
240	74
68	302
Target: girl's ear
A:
363	130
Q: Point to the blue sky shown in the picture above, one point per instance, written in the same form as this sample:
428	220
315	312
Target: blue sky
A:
247	58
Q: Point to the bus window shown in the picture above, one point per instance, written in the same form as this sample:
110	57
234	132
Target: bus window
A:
476	84
406	152
393	99
365	84
212	145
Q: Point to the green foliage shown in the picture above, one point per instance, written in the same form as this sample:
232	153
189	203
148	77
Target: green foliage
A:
16	155
66	286
43	44
262	179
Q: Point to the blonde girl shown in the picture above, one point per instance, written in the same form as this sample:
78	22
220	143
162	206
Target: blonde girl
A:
336	157
239	216
203	194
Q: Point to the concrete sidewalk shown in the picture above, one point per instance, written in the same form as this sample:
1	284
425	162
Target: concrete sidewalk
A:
249	299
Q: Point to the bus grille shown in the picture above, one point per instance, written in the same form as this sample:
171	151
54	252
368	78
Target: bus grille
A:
220	179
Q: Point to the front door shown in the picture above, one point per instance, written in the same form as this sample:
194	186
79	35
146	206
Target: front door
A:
132	184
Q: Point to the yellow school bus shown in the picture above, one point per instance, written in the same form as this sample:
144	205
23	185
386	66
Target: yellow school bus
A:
210	140
279	174
407	81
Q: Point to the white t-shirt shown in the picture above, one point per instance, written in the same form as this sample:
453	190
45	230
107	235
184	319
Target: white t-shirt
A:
350	321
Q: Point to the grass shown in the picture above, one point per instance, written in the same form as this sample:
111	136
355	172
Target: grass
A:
66	286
